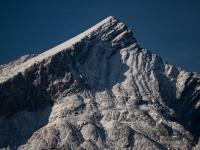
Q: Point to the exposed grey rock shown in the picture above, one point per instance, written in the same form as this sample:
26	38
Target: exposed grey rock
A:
99	90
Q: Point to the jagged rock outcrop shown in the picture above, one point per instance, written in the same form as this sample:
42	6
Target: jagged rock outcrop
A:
99	90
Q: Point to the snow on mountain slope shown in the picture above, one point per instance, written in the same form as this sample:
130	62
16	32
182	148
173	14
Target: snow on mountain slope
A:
5	75
99	90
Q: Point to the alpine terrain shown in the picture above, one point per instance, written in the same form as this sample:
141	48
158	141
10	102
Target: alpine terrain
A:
98	90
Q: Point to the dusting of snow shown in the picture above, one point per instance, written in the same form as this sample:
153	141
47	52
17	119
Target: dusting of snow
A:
6	73
116	91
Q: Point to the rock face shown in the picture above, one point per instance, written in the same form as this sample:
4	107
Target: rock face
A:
99	90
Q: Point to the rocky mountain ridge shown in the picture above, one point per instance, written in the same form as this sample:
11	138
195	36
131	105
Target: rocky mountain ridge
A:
99	90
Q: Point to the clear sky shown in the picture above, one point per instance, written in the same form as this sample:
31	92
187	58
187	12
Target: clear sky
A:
169	28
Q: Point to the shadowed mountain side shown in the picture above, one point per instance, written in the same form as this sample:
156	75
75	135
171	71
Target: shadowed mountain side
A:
16	130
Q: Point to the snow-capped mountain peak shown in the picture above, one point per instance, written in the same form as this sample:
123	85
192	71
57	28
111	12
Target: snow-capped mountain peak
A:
98	90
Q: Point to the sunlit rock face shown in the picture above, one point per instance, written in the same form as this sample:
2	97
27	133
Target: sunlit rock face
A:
99	90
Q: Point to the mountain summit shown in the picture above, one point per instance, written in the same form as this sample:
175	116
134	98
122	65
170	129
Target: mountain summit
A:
98	90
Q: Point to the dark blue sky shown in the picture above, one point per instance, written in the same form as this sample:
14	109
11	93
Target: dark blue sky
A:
170	28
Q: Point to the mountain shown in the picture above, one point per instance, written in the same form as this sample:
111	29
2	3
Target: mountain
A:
99	90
